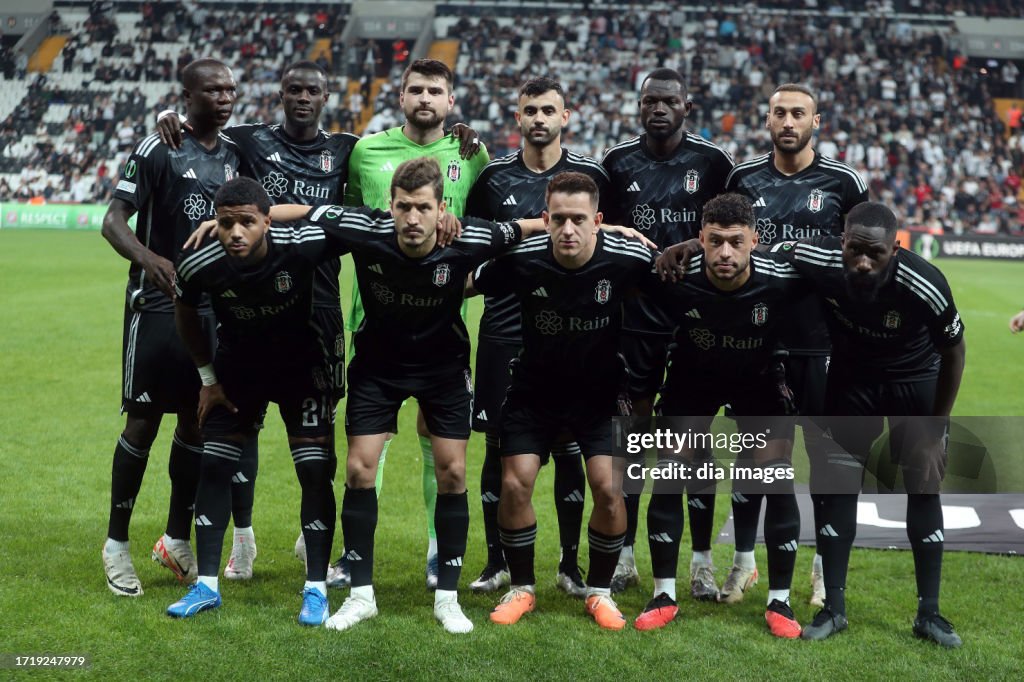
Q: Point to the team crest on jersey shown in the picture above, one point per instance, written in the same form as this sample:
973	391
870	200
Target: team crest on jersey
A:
891	320
759	315
603	291
229	173
691	182
454	171
815	200
441	275
326	161
282	282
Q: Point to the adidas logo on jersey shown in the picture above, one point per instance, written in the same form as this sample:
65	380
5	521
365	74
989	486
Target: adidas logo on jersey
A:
489	497
789	546
376	268
276	156
189	174
661	537
692	312
352	555
457	561
201	520
239	478
229	294
388	167
316	525
828	531
482	415
144	398
575	496
540	291
127	504
935	537
633	187
760	203
510	201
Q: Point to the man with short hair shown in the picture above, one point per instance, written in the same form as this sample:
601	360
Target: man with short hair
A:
659	182
569	376
171	191
729	313
296	162
898	352
511	187
426	99
797	193
269	348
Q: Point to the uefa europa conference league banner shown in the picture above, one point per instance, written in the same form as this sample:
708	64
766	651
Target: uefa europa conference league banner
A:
932	246
55	216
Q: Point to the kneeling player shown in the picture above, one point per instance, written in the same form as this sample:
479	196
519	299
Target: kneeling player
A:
729	309
569	378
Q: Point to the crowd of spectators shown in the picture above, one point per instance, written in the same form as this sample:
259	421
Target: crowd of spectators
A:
898	102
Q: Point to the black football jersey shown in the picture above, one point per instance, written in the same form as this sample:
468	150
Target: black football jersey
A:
571	318
812	202
897	336
728	334
664	199
300	172
172	191
412	306
506	190
268	304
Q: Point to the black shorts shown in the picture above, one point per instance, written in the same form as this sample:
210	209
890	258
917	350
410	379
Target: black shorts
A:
294	378
646	358
376	392
760	400
332	333
492	380
806	376
859	407
158	375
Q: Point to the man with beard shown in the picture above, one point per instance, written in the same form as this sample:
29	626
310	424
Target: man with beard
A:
659	183
172	191
797	193
512	187
898	352
426	99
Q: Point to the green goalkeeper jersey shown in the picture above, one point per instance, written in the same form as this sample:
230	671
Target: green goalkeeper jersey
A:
372	163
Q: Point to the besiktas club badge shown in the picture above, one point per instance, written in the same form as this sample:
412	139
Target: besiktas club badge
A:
282	282
441	274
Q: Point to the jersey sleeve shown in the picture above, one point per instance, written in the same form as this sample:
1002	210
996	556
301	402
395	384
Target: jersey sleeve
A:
478	161
945	326
476	202
349	228
815	258
722	165
855	192
187	284
142	172
604	190
354	188
482	239
609	202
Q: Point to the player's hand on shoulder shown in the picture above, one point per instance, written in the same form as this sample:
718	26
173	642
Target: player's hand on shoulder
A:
469	141
169	127
210	397
207	228
671	264
630	233
160	272
449	228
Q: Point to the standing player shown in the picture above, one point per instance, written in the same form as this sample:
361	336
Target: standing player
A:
426	99
569	376
297	163
509	188
260	281
897	351
729	307
659	183
172	192
796	193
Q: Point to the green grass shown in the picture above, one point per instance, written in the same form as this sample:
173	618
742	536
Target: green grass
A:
61	299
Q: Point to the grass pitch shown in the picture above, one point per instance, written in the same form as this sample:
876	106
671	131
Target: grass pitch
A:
61	302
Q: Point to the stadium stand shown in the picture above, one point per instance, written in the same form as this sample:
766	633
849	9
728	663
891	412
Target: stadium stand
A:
899	102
